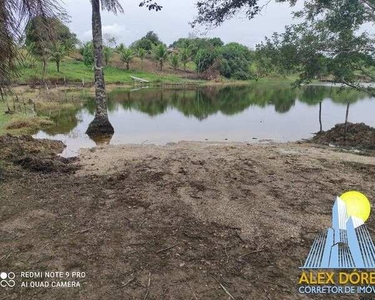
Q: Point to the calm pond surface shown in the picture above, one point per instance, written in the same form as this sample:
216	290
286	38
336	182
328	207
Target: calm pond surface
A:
238	113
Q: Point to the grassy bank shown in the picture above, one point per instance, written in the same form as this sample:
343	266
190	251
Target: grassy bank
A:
74	71
20	123
35	110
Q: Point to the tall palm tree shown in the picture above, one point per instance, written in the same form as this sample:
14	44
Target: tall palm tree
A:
100	125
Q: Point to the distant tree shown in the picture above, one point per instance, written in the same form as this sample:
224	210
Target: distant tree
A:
14	15
152	37
141	53
58	51
120	47
195	44
263	61
182	43
127	56
147	42
160	53
142	43
205	59
235	61
185	56
175	61
88	54
38	41
216	42
107	52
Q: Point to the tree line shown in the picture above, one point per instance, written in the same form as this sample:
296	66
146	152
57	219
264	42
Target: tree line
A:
330	41
210	56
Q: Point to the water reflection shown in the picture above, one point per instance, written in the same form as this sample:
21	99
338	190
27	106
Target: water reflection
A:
101	140
203	102
240	113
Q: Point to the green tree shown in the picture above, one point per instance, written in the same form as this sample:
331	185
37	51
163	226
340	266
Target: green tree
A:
235	61
142	43
205	59
147	42
107	52
120	47
152	37
331	40
40	42
57	52
100	125
14	16
185	56
88	54
175	61
141	53
160	54
127	56
195	44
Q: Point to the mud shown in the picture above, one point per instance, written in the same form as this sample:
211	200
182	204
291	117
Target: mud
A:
182	221
34	155
355	135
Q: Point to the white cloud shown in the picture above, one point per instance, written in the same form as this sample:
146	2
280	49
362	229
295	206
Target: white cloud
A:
173	22
115	30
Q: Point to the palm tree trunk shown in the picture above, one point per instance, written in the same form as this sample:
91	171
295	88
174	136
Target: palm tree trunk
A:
100	125
44	66
320	117
58	66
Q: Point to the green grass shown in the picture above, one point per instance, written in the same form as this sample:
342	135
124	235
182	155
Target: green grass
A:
18	123
278	79
75	71
4	118
28	117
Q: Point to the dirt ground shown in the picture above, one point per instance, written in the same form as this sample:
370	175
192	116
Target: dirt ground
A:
181	221
355	135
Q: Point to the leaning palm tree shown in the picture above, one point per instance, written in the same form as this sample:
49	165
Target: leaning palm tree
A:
100	125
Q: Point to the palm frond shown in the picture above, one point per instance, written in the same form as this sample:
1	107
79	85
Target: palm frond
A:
14	15
112	5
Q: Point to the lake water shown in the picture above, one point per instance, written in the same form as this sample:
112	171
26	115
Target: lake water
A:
253	114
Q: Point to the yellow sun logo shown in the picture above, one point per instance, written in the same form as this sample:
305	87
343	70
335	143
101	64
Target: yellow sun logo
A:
357	205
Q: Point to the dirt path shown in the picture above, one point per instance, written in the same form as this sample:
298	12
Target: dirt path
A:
183	221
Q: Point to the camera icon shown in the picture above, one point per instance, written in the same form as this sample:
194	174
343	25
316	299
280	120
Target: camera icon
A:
7	279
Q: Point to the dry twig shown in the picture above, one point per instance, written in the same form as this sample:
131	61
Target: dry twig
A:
148	286
165	249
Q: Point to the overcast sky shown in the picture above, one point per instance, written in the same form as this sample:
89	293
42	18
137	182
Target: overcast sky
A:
173	22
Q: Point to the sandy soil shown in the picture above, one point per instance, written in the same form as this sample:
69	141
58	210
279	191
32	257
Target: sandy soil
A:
181	221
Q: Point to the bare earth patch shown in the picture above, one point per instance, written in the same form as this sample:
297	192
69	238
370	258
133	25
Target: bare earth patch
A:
180	221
